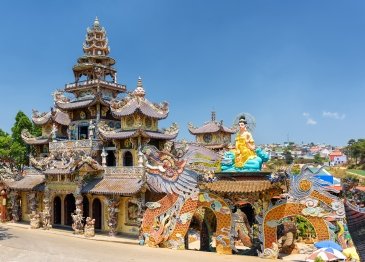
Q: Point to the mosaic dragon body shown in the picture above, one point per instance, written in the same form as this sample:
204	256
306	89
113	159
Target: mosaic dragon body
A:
166	222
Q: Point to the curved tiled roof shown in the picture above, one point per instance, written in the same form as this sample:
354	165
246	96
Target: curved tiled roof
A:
113	185
82	103
119	134
41	119
74	104
138	104
29	139
57	116
28	182
210	127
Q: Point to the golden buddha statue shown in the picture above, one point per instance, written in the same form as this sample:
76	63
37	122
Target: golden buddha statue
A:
245	145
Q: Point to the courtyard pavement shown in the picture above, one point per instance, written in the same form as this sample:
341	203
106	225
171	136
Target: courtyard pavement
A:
18	243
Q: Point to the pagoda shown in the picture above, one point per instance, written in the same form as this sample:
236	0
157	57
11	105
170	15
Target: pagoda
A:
90	149
213	134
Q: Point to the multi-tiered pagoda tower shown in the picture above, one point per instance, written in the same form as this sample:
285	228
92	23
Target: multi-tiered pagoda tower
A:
89	152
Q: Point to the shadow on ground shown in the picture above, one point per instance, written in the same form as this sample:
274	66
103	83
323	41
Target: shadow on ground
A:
4	234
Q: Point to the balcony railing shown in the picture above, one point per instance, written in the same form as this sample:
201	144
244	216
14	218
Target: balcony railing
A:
87	83
74	145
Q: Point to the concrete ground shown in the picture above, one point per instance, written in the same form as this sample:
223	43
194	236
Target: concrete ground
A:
23	244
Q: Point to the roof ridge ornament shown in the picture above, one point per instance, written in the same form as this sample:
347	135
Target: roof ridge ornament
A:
139	91
96	22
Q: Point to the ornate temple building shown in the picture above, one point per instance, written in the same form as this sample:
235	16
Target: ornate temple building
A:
212	134
88	158
104	164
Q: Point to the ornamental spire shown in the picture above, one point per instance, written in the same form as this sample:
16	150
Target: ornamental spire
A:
96	42
213	116
139	90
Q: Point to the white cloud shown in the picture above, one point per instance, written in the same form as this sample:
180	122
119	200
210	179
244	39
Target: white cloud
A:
333	115
310	121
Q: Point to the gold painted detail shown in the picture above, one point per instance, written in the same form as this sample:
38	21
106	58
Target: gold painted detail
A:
305	185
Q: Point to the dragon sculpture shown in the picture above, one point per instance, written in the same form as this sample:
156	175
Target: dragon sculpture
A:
166	222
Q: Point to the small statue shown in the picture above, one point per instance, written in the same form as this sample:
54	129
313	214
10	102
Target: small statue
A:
89	230
104	154
91	130
54	132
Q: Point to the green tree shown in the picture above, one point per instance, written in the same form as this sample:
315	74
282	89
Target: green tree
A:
21	122
5	148
318	159
19	151
288	157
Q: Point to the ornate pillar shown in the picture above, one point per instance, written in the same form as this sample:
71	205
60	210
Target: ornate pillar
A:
15	207
113	210
35	218
3	204
77	217
46	213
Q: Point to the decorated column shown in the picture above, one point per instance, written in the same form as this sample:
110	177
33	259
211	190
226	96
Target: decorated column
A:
15	207
35	218
113	210
77	217
3	206
46	213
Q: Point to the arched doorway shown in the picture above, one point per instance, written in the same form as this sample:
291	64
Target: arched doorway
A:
127	159
110	158
57	210
69	208
97	213
208	228
85	207
249	212
289	210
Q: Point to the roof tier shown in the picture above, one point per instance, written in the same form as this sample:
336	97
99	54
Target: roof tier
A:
211	127
56	116
29	139
136	102
70	105
108	133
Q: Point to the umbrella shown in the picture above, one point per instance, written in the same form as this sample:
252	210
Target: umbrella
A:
328	243
334	251
326	256
351	253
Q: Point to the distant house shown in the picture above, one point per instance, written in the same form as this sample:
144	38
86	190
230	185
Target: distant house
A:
324	153
337	158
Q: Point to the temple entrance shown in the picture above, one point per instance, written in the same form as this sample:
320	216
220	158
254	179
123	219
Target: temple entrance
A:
97	213
249	212
110	158
69	208
57	210
85	207
127	159
209	226
201	230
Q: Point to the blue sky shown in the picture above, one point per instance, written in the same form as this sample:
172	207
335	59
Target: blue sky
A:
297	66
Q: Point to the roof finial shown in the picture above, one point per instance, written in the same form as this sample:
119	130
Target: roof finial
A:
96	22
139	90
213	116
